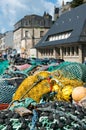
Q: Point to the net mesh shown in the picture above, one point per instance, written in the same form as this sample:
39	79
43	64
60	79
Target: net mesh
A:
6	92
72	70
3	66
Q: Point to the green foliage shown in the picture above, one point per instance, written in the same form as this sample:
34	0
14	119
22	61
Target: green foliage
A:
76	3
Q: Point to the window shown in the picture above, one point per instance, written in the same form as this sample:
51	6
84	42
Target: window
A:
41	33
68	49
41	52
72	50
48	52
51	51
77	50
60	36
58	51
26	23
26	33
64	51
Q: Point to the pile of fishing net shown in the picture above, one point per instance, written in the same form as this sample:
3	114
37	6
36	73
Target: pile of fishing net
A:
57	115
51	105
57	84
43	84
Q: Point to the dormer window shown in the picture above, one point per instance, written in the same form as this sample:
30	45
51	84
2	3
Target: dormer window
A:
59	36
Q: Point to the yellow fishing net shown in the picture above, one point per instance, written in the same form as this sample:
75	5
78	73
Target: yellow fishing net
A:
64	86
33	86
37	85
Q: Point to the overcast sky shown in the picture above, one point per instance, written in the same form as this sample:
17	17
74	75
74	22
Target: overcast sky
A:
11	11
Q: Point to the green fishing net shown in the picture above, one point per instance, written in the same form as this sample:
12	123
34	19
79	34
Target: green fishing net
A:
3	66
72	70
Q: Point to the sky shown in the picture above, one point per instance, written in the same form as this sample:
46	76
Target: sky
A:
11	11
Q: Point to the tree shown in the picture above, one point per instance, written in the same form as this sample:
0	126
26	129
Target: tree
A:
76	3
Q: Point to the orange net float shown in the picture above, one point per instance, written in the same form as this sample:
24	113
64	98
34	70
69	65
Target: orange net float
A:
78	93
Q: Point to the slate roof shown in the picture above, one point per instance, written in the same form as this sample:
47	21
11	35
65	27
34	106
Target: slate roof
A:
73	20
30	21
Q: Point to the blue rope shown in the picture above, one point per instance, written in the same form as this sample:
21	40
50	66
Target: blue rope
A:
34	119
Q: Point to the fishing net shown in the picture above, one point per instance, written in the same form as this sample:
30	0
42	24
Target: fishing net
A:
64	87
33	86
3	66
6	92
49	116
38	86
71	70
8	86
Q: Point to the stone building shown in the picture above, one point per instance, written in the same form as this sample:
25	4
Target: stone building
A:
6	40
0	38
29	30
65	7
56	13
66	39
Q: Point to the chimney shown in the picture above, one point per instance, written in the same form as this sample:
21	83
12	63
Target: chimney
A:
62	3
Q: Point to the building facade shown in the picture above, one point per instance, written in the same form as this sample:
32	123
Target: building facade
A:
29	30
6	40
56	13
66	39
65	7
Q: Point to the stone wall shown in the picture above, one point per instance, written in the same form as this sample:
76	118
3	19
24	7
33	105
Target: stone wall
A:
28	37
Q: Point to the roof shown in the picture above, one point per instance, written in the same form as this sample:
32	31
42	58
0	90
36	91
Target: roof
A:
71	22
29	16
34	21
